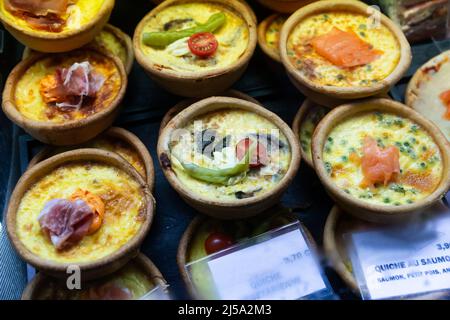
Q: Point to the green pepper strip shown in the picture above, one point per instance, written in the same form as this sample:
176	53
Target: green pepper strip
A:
164	38
218	176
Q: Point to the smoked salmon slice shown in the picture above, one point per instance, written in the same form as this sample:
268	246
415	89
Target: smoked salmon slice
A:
445	98
344	49
378	165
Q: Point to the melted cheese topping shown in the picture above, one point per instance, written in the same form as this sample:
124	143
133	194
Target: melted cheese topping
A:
78	14
321	71
232	37
273	32
123	200
237	125
420	158
130	277
111	43
28	98
434	82
307	127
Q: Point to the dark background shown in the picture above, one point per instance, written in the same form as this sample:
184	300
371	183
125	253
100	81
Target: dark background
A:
143	108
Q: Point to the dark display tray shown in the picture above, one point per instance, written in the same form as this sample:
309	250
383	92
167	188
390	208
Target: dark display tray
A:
143	108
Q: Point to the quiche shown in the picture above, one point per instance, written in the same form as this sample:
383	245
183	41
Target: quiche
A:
225	152
429	91
132	282
86	207
205	237
117	140
380	155
305	122
55	25
343	50
269	35
181	41
120	194
66	98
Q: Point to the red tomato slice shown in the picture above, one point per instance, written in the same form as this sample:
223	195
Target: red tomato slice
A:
259	158
217	241
203	44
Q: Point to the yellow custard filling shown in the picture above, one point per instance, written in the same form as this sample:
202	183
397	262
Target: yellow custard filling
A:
234	125
232	37
121	194
29	100
273	32
79	13
115	145
420	158
321	71
111	43
307	127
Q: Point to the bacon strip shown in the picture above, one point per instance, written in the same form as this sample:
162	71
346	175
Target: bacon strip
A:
379	165
344	49
65	222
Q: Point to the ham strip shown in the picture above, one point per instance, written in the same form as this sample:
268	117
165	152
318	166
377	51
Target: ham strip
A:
110	291
40	14
68	87
65	222
38	7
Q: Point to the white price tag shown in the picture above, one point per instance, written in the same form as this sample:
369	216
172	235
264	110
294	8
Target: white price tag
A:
406	260
282	267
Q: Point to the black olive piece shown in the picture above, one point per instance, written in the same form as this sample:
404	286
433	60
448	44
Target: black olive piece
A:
243	195
176	24
205	140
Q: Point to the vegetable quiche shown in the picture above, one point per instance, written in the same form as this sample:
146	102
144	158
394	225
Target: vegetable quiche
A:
182	42
225	152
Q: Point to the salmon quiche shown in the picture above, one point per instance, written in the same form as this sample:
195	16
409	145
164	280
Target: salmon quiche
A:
132	282
269	35
181	41
55	25
380	160
429	91
344	49
383	158
80	212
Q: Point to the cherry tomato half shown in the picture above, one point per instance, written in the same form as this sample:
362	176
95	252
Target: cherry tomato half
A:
259	158
217	241
203	44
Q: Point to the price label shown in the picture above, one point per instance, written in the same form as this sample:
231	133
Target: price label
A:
406	260
283	267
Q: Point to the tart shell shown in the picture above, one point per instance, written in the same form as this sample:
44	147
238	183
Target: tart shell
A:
202	83
231	209
89	270
63	41
61	134
374	212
